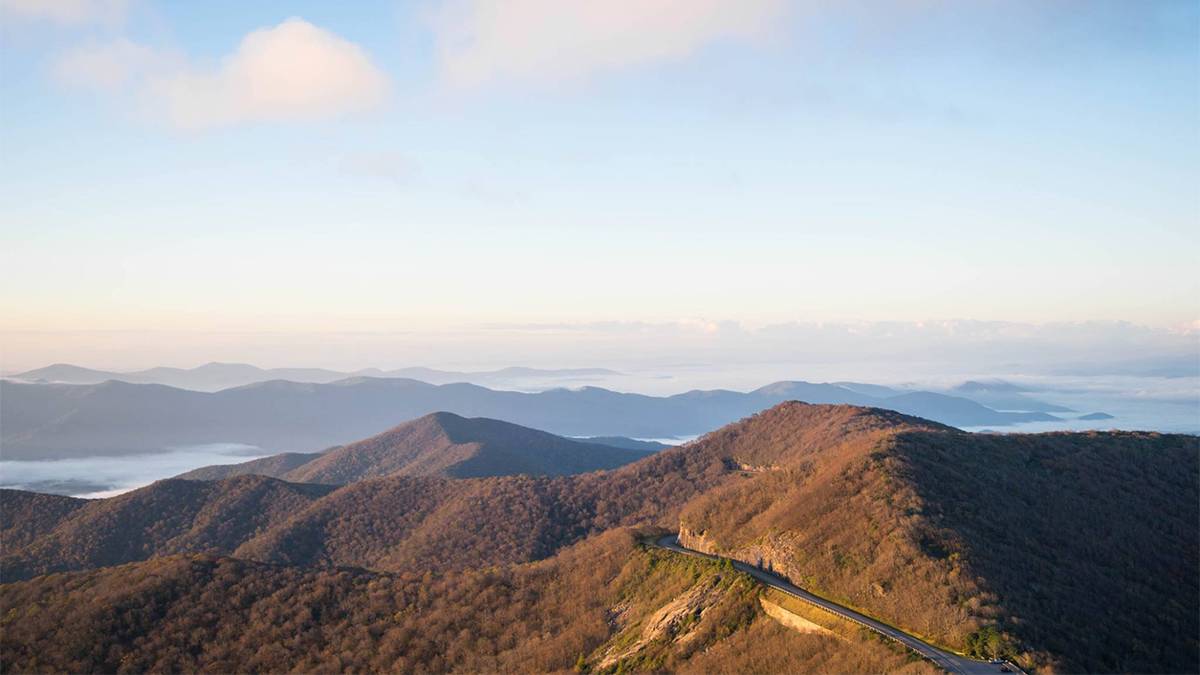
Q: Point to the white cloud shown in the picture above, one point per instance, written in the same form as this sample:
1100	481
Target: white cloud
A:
106	67
65	11
554	40
293	71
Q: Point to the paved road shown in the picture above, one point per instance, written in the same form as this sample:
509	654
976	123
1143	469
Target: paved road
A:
949	661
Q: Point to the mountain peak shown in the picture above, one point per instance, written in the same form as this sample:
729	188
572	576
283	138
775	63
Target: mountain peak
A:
442	417
221	365
447	444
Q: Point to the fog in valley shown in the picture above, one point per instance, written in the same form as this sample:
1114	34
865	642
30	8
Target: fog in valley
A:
105	476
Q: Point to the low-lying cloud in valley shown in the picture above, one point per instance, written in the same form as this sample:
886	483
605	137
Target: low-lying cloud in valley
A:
109	475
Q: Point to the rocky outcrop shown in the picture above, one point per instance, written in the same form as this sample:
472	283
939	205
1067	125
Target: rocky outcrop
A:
735	464
676	621
765	555
696	540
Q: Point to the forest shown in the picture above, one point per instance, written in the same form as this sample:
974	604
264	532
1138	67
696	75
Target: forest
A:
216	614
1054	550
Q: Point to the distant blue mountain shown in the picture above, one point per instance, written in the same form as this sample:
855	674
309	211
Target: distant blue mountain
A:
218	376
55	420
1001	395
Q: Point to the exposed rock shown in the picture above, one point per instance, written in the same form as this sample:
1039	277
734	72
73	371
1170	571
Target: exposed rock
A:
696	540
735	464
674	622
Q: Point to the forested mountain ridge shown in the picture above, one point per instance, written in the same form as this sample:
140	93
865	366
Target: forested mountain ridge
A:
272	466
170	516
579	459
445	444
1052	547
25	516
397	522
1064	551
605	605
439	444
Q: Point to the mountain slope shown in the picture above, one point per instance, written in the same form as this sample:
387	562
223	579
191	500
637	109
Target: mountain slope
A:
601	606
1073	552
397	523
418	523
445	444
166	517
1053	547
480	447
48	421
26	516
274	466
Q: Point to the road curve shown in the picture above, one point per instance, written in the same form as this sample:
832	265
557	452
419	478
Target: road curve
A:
943	659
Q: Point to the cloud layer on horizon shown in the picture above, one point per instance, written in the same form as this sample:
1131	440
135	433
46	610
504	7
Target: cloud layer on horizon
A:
891	349
65	12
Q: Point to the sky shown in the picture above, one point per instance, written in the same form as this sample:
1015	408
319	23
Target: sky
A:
455	181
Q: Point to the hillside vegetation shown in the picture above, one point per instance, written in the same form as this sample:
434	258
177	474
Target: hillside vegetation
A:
602	606
167	517
445	444
1054	548
387	524
274	466
25	516
1067	552
440	444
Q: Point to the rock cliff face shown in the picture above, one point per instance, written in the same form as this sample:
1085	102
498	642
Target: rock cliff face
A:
696	540
768	554
677	622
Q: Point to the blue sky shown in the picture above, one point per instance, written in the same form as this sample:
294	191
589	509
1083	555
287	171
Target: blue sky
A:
443	164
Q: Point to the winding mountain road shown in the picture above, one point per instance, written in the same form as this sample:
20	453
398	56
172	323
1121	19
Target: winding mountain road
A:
943	659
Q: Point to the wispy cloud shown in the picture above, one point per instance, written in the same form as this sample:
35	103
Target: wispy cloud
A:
554	40
107	66
67	12
292	71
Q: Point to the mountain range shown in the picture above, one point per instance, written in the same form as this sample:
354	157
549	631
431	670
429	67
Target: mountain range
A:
1072	552
44	421
216	376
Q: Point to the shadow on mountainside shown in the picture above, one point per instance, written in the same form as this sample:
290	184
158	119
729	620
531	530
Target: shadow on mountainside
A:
1077	538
